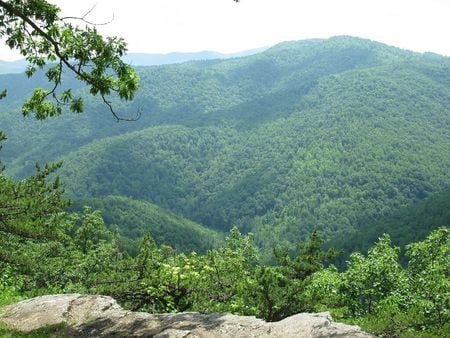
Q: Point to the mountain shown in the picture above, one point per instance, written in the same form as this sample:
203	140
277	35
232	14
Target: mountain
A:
145	59
148	59
7	67
329	134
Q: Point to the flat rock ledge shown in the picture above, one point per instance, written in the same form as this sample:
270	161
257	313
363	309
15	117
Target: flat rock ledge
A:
101	316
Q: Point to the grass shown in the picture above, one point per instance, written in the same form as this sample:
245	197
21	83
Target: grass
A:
48	331
9	295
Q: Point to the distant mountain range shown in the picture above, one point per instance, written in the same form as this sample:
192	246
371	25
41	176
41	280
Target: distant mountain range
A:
12	67
145	59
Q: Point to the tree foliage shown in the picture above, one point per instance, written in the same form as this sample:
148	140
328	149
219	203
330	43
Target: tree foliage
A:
375	291
383	296
30	208
54	44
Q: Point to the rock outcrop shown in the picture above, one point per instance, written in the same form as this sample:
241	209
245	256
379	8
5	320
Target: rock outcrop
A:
101	316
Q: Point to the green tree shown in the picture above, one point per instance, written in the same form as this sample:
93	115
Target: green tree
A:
311	257
386	298
226	275
371	279
280	291
31	208
91	231
36	29
429	275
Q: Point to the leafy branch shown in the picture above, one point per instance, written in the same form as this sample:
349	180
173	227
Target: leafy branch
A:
35	29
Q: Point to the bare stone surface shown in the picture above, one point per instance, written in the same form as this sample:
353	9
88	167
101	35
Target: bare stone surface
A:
101	316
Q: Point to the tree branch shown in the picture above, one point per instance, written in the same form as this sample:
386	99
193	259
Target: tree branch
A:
83	18
83	46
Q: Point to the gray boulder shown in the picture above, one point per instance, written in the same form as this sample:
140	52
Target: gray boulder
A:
101	316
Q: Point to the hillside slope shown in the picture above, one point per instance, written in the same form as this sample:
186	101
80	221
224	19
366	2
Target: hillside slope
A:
135	218
240	93
407	225
319	134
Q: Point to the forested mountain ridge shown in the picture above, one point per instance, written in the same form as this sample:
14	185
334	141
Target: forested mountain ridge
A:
239	92
327	134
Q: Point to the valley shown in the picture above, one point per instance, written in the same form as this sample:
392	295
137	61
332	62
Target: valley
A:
331	135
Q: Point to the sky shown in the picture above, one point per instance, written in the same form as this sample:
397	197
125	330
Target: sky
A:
163	26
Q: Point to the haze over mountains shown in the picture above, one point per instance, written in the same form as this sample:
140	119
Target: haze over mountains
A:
329	134
12	67
145	59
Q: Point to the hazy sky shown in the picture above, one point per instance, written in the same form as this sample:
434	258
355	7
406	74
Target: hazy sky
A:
162	26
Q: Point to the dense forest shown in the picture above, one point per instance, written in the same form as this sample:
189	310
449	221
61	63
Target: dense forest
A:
231	190
133	219
329	135
406	225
